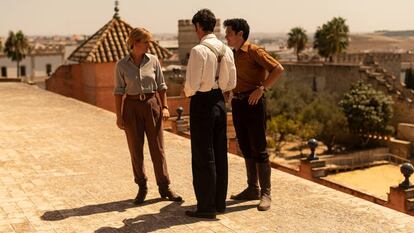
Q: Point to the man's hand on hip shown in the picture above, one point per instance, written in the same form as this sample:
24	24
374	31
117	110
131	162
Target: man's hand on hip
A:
255	96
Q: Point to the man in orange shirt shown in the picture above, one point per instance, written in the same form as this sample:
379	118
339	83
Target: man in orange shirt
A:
256	72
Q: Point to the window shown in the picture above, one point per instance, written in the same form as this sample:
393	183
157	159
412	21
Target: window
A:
48	69
23	71
4	71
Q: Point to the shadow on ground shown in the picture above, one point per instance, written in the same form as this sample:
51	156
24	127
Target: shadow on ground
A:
168	216
118	206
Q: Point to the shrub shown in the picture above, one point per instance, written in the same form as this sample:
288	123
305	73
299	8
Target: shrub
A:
278	128
368	111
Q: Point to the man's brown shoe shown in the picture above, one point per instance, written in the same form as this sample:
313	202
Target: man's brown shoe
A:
265	203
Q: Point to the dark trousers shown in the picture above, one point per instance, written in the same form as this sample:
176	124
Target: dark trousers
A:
208	124
145	117
250	125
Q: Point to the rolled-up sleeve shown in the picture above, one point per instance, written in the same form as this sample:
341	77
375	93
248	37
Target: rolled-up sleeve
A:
159	77
264	59
119	88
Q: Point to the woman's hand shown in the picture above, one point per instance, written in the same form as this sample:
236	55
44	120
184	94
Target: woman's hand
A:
165	114
120	123
255	96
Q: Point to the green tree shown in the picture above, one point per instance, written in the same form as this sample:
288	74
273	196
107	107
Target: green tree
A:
328	121
368	111
332	38
288	98
297	40
16	47
409	78
278	128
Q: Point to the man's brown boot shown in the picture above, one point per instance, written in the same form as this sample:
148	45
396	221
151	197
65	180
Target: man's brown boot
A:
264	171
142	193
252	191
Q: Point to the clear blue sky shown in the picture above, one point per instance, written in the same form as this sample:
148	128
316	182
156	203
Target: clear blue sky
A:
66	17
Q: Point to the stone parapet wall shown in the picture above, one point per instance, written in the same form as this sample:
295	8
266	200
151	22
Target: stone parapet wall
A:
332	78
390	61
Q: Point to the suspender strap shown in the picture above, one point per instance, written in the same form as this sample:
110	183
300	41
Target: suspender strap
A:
219	54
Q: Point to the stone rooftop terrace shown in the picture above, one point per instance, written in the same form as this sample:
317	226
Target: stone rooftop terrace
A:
65	167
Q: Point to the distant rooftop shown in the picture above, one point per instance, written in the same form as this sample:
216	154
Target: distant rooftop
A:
42	49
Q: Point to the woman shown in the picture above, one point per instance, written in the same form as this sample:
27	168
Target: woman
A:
138	79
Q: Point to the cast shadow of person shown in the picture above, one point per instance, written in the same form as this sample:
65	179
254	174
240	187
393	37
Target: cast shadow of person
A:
168	216
118	206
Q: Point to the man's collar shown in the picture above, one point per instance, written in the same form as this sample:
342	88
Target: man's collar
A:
208	36
245	46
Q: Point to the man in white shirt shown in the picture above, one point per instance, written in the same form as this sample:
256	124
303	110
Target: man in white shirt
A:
210	73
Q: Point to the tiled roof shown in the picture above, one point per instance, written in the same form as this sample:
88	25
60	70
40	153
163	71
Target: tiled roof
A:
108	44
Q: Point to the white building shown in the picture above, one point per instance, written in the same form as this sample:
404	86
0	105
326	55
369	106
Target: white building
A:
41	62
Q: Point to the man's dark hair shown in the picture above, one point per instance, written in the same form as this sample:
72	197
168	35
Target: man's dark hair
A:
238	25
206	19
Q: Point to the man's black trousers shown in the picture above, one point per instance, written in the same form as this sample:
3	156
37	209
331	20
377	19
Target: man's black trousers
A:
208	124
250	125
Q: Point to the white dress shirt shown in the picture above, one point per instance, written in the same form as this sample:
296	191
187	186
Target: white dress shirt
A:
202	68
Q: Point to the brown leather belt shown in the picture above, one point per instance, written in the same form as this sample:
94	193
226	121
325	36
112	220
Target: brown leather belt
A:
242	95
141	97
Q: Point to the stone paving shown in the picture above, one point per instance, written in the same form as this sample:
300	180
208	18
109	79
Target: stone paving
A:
65	167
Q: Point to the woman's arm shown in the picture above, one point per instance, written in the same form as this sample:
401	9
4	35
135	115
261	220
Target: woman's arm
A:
118	111
164	104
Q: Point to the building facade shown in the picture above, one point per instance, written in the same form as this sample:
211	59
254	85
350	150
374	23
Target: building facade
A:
41	62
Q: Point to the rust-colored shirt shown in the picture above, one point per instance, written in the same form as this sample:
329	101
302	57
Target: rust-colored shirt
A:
252	65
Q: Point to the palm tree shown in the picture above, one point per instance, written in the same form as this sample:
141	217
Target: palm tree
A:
16	47
297	40
332	38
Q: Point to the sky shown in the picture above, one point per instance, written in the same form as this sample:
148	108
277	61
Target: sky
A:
67	17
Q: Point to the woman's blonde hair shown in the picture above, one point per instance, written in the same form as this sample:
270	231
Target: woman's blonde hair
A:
138	34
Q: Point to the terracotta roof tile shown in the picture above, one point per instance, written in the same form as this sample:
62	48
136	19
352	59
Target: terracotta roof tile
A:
108	44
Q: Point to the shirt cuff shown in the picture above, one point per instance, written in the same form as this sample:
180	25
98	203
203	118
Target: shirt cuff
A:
162	86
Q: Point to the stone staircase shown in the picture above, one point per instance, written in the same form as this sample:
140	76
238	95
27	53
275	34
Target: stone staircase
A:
383	80
403	97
